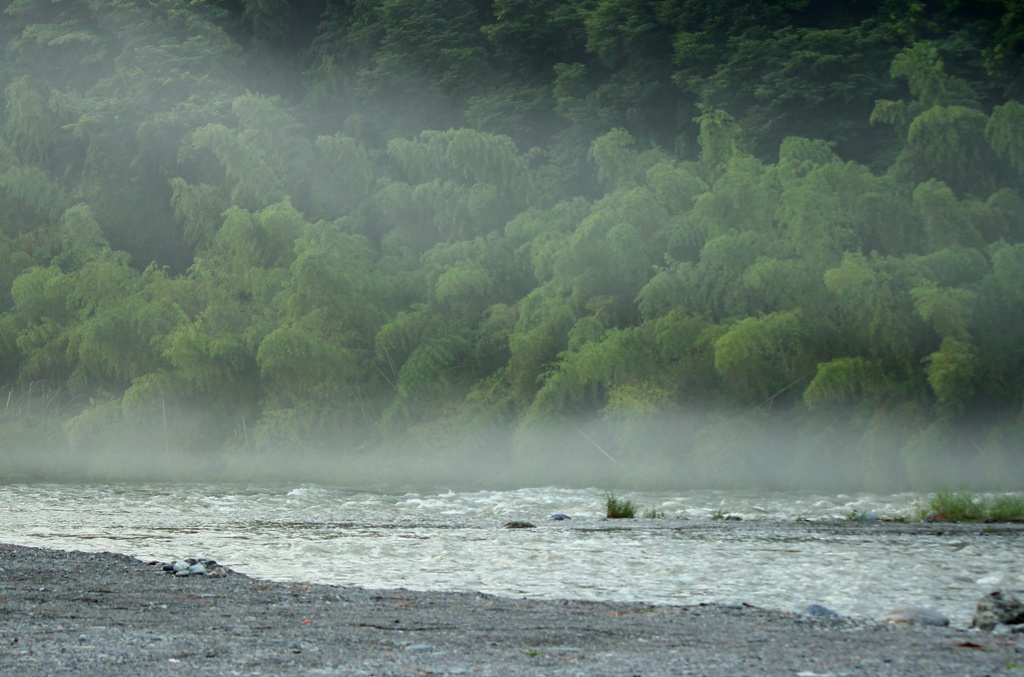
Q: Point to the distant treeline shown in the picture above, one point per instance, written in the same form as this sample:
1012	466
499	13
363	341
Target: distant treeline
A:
685	242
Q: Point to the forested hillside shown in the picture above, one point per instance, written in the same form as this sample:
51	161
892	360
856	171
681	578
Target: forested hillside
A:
650	242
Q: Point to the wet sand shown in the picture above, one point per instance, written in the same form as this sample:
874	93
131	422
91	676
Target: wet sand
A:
109	614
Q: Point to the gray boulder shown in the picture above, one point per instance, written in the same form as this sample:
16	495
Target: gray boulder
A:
1000	607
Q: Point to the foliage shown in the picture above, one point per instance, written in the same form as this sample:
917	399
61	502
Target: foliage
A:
675	226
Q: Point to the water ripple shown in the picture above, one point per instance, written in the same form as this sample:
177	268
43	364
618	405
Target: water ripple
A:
788	550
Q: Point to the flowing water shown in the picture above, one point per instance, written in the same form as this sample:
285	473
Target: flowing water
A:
787	551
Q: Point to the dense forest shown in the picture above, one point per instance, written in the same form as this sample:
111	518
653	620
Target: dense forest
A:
650	242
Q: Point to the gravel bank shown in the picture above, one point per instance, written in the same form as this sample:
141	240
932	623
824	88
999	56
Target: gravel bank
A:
108	614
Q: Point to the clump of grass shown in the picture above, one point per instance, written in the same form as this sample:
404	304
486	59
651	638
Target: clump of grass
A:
620	508
1006	508
966	506
624	508
956	506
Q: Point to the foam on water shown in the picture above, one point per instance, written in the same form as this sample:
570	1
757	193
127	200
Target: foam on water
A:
788	551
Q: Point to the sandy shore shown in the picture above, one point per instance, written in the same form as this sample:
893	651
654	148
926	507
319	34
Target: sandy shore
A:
108	614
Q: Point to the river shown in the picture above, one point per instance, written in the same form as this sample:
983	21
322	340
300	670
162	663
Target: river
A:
785	550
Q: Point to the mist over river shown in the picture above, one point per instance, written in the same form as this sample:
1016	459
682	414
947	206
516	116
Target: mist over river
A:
788	550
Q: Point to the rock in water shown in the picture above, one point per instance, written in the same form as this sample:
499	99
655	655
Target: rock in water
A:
560	516
516	524
819	611
1000	607
915	615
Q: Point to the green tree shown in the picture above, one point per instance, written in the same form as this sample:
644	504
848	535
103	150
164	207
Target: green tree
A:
951	372
540	334
872	301
948	144
343	178
264	158
714	286
617	163
947	310
32	125
760	358
946	222
531	35
741	199
929	87
1003	132
848	381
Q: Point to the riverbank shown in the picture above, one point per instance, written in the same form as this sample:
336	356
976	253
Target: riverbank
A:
108	614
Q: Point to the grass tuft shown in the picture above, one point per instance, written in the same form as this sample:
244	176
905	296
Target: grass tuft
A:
624	508
1006	508
620	508
966	506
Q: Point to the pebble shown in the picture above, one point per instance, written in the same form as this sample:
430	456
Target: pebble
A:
195	567
915	615
1004	629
